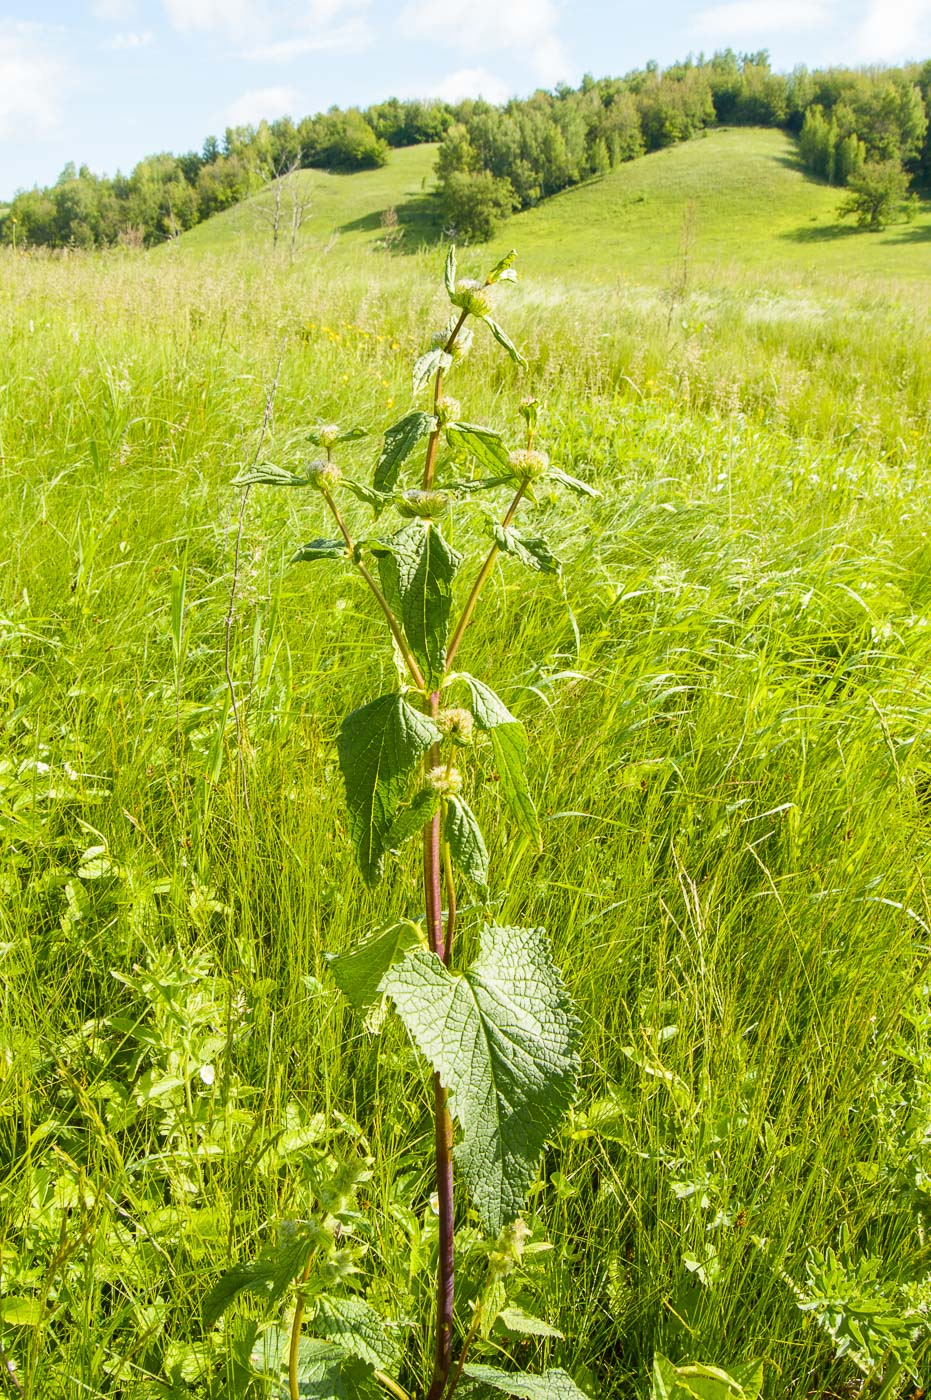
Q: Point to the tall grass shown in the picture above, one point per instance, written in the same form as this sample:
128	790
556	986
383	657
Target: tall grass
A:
728	701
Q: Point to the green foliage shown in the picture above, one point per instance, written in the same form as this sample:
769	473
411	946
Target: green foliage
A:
359	972
400	440
877	191
465	840
379	746
417	569
503	1039
551	1385
698	1382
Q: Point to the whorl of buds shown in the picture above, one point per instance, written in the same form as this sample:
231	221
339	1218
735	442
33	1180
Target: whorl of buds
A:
471	296
328	434
428	505
456	724
323	475
508	1248
528	465
446	781
448	410
461	345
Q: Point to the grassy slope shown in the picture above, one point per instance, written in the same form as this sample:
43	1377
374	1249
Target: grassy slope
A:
755	210
731	757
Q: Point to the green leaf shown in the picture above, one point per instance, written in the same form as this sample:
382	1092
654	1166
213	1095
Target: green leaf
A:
428	365
503	1038
412	819
484	444
505	340
267	1275
267	475
532	551
356	1327
378	746
525	1324
552	1385
509	741
503	270
400	441
417	571
466	845
698	1382
572	483
325	1370
21	1312
359	972
488	708
449	275
320	549
376	499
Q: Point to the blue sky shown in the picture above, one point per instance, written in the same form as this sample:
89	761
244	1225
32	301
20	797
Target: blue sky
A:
108	81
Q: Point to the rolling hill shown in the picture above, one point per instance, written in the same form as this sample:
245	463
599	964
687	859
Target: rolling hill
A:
749	205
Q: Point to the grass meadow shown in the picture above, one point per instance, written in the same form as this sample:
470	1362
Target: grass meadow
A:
728	697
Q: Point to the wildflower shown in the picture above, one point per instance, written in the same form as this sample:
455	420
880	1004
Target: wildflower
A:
448	410
428	505
457	724
446	781
323	475
528	465
471	296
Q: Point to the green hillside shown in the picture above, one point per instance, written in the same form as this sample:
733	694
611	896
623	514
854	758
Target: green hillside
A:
751	205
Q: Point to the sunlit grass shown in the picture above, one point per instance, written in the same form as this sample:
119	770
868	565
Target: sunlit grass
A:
728	700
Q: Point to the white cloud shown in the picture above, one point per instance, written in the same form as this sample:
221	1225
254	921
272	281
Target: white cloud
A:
140	39
469	82
115	10
299	26
31	80
355	34
260	103
893	30
527	27
758	19
211	16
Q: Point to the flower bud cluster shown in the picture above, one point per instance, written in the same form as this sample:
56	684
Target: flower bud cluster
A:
456	724
471	296
448	410
428	505
446	781
508	1249
461	345
328	434
323	475
528	465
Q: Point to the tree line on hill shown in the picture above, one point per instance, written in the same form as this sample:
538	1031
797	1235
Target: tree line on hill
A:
867	129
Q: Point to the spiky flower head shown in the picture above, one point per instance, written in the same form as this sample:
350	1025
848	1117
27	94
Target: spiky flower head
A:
461	345
428	505
528	465
446	781
457	724
472	296
508	1250
328	433
323	475
448	410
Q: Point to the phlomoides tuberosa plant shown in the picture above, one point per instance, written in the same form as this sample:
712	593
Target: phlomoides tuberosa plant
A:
499	1033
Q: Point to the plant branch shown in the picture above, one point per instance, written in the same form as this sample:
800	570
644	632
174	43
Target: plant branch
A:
450	886
391	1386
231	607
396	630
434	442
294	1349
466	1348
480	581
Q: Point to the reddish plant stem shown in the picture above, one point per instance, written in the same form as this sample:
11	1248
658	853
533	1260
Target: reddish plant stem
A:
443	1128
433	444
